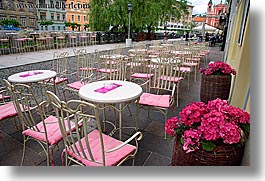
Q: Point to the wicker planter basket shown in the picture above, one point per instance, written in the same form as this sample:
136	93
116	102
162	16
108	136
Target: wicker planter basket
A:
215	86
224	155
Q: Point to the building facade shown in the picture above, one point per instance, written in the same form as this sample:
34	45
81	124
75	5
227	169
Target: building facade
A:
22	11
77	11
53	10
214	12
237	54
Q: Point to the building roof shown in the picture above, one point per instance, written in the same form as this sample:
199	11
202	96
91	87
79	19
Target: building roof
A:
199	19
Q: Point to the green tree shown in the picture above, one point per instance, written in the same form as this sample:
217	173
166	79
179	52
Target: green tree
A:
146	14
86	26
73	25
46	22
98	15
6	22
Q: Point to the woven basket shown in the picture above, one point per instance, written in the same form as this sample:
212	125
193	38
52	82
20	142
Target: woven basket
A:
215	86
224	155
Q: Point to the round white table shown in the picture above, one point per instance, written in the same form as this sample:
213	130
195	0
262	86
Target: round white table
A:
32	76
122	92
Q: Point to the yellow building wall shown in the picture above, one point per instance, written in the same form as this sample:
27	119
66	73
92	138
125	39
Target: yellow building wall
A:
239	58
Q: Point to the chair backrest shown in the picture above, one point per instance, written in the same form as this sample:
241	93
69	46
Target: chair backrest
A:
4	95
27	106
165	77
79	113
138	63
61	63
85	67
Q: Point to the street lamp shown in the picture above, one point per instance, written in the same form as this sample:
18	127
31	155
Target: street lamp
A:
129	40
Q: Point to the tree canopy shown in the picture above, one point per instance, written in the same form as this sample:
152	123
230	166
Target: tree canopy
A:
73	25
146	14
13	22
46	23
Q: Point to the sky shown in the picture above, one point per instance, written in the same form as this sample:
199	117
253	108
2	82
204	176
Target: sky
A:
200	6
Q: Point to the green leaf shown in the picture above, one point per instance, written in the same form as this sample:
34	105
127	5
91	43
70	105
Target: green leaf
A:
208	145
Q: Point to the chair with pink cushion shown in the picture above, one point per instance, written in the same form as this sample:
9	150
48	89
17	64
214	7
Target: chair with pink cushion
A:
37	124
162	91
91	147
139	66
7	110
85	72
60	65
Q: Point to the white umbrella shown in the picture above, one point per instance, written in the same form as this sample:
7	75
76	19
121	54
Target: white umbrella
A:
206	28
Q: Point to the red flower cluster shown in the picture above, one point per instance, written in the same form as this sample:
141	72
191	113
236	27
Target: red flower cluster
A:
218	68
205	125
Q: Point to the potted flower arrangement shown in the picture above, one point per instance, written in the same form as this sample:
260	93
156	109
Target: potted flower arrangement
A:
216	81
209	134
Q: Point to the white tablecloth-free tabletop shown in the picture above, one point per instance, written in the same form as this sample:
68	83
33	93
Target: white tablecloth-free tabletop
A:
128	91
34	76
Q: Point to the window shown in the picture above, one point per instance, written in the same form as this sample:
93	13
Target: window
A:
58	17
63	17
1	4
59	28
78	18
23	22
32	22
73	17
243	22
52	16
43	15
30	6
84	18
53	28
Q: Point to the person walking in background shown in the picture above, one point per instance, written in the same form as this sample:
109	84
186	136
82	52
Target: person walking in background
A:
187	36
206	36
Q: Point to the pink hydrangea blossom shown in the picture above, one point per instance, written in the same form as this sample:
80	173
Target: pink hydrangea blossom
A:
216	121
191	140
171	124
218	68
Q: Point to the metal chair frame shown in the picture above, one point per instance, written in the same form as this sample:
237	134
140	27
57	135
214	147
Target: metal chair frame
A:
81	112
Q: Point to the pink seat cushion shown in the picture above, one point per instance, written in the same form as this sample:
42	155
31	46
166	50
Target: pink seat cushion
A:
190	64
193	59
107	70
4	97
142	75
185	69
155	100
172	79
111	158
7	111
76	85
134	64
58	80
87	68
53	131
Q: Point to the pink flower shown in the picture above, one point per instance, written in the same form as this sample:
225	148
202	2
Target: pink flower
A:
215	122
218	68
191	140
171	124
230	133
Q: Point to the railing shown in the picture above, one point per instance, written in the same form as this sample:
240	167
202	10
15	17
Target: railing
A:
101	38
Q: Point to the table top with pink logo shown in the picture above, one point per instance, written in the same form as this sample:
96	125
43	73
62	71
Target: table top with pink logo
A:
110	91
32	76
